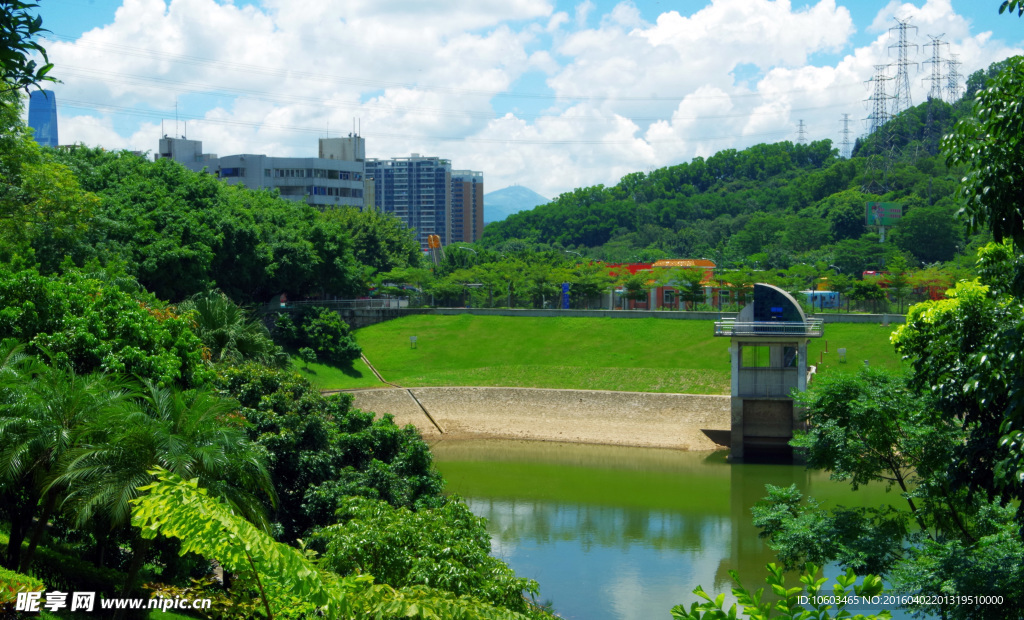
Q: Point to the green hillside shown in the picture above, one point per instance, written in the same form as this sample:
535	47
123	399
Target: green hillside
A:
645	355
771	205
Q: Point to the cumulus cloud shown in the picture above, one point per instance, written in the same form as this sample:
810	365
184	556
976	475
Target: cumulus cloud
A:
544	94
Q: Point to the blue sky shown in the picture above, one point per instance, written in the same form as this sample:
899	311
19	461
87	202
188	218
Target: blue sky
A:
547	94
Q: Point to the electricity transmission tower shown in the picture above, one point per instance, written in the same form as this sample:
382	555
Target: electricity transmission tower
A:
901	94
936	61
953	79
879	159
934	93
845	149
801	133
879	99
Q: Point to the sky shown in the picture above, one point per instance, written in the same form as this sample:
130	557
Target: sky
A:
547	94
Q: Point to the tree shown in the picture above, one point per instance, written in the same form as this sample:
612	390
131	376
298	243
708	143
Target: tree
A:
100	321
227	332
842	284
330	337
17	29
193	433
899	280
47	422
867	290
991	147
379	240
325	450
690	286
931	234
446	547
181	509
308	356
819	603
883	428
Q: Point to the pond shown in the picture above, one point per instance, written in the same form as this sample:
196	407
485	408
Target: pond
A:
616	533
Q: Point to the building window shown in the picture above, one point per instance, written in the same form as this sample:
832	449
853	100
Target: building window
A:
232	172
753	356
668	297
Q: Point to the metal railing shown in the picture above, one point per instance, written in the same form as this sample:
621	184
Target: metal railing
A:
811	328
346	304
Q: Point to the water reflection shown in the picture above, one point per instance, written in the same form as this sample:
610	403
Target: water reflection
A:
621	533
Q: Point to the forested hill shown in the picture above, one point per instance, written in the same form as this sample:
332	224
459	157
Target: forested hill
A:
770	204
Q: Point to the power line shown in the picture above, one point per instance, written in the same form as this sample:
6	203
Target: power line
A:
158	115
194	88
325	78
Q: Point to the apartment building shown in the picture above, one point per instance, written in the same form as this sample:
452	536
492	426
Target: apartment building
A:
467	206
417	190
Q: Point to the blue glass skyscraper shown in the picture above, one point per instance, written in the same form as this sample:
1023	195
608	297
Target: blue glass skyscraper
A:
42	116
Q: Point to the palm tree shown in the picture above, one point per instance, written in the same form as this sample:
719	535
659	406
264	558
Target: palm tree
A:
229	333
194	434
42	419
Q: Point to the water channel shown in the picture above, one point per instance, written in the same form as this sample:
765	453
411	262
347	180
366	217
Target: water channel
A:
615	533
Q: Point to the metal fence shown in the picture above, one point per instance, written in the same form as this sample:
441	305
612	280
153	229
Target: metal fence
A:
351	304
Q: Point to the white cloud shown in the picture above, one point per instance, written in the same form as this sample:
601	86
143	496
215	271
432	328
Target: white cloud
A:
469	80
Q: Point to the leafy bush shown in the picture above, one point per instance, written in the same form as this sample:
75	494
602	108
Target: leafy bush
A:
321	330
324	450
96	321
11	583
445	547
794	602
179	509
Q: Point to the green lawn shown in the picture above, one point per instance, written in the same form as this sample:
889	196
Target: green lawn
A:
646	355
862	341
331	378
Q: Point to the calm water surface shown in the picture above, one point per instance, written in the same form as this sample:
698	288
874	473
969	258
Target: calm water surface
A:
624	533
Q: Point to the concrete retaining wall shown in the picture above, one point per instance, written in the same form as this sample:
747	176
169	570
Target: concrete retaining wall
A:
679	421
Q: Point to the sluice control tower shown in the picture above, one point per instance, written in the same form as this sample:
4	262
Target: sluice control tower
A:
768	350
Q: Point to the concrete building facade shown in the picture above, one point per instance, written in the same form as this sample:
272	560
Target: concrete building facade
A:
418	191
336	178
467	206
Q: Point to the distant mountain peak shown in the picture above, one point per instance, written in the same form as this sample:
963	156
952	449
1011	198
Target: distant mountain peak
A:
502	203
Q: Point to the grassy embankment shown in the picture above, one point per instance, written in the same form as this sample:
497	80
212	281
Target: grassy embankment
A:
644	355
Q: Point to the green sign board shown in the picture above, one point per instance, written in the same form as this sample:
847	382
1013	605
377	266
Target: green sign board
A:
882	213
